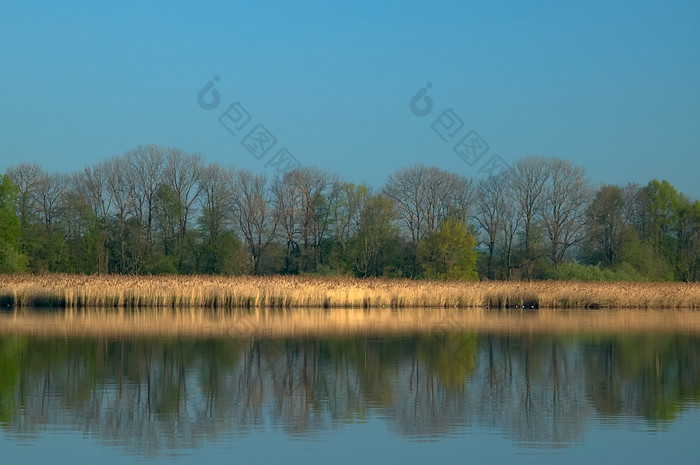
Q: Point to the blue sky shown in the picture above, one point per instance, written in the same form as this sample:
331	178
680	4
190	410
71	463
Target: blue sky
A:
612	86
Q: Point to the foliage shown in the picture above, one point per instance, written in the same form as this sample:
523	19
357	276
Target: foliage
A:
11	259
582	272
449	253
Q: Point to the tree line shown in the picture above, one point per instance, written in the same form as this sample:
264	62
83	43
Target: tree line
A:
156	210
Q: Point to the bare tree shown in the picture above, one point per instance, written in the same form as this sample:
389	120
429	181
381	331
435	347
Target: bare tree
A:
376	236
117	182
90	185
47	197
528	178
347	214
447	195
216	220
304	198
147	166
566	196
510	225
215	199
254	211
405	188
490	211
633	207
288	201
182	174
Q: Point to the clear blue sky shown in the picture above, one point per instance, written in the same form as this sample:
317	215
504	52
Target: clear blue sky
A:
613	86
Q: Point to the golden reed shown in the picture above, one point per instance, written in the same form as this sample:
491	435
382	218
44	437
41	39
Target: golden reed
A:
248	292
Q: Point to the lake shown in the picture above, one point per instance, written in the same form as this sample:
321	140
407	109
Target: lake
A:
469	393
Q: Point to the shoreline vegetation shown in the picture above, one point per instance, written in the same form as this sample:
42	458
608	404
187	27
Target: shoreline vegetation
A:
188	293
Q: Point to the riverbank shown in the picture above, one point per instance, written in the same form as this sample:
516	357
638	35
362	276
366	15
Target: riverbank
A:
216	292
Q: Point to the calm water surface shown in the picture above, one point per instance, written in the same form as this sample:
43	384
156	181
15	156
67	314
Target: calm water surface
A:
461	396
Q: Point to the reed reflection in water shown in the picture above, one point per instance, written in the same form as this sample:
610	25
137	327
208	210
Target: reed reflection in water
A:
163	394
314	322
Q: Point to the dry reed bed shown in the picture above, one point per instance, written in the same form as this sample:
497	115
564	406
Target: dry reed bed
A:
308	322
183	292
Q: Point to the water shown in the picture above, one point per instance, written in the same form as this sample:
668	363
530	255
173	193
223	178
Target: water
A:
465	396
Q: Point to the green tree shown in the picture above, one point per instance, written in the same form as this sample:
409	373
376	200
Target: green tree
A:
11	259
671	227
650	265
26	178
662	203
449	252
688	265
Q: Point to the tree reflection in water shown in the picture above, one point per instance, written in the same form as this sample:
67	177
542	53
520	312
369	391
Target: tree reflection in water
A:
156	395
